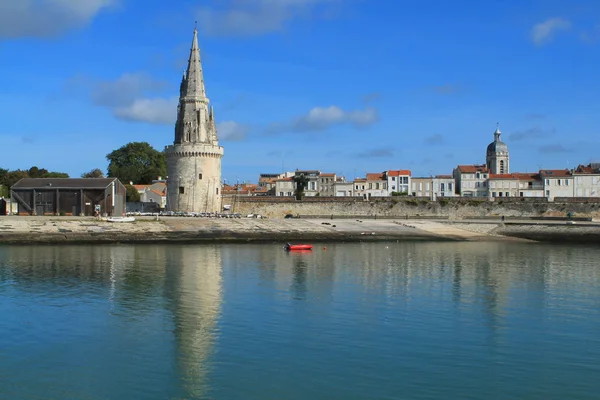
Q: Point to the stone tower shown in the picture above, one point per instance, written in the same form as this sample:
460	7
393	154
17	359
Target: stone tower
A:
194	159
497	158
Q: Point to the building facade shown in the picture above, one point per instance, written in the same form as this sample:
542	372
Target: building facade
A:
471	180
503	185
443	186
69	196
194	159
284	187
530	184
421	187
587	180
398	181
557	183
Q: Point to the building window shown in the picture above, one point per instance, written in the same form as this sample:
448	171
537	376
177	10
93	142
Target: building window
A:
522	194
558	182
493	194
501	166
450	187
199	176
507	194
217	190
377	186
393	179
548	193
548	182
478	175
442	187
181	190
370	186
385	185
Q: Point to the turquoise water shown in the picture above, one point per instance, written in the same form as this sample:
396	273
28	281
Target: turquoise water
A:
354	321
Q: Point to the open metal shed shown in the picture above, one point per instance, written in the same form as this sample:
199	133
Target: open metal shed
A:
66	196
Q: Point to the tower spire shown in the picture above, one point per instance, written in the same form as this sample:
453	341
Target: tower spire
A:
497	132
194	79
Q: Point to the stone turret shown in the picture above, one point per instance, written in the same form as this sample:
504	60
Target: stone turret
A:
194	159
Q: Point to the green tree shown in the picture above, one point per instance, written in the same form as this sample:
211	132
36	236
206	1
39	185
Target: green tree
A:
95	173
132	196
301	182
136	162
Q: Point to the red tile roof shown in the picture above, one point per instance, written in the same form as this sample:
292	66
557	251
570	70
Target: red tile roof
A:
400	172
555	173
158	192
328	175
444	176
527	176
141	187
376	177
471	169
502	176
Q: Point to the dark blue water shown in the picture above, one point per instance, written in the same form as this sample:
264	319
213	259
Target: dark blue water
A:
354	321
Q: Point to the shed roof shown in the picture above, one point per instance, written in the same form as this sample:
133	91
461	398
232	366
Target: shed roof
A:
64	183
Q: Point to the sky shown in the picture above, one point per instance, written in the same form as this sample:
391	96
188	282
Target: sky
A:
342	86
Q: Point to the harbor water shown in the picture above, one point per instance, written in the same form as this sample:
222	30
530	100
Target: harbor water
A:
401	320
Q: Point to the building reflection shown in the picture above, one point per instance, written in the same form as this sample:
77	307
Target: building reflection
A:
194	291
138	283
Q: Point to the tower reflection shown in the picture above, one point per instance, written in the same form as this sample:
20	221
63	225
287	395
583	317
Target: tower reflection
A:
193	289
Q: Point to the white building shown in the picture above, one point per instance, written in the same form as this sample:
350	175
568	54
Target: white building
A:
284	187
530	184
503	185
343	189
376	185
443	186
360	187
398	181
471	180
587	180
557	183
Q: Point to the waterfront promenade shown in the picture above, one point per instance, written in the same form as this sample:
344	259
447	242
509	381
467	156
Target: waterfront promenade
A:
54	230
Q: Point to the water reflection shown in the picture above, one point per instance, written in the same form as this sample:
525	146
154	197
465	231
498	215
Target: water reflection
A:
363	320
149	293
194	293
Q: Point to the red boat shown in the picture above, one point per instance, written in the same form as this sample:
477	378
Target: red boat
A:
290	247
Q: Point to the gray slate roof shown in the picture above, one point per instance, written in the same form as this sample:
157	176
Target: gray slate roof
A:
63	183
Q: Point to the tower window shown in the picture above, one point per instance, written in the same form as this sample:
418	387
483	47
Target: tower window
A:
181	190
217	190
199	176
501	166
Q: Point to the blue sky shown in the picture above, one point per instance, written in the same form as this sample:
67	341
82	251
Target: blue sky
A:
344	86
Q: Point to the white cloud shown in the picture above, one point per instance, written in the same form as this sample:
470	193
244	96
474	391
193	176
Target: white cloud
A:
132	97
322	118
151	110
544	31
44	18
254	17
232	131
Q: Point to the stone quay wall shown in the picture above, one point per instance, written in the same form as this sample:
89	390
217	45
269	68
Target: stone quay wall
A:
411	207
